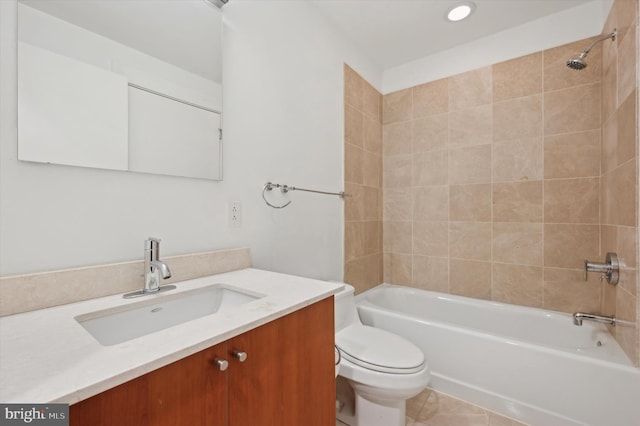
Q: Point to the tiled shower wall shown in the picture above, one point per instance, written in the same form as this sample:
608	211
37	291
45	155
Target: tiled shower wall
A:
498	183
363	181
619	170
491	182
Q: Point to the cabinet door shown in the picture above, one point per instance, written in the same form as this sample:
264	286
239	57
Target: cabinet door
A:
191	391
287	378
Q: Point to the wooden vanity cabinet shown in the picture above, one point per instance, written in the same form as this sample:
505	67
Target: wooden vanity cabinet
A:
286	379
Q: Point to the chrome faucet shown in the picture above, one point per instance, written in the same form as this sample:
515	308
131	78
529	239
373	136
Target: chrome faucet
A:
154	270
578	317
153	266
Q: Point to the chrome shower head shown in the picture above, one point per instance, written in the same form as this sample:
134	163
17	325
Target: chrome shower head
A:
578	63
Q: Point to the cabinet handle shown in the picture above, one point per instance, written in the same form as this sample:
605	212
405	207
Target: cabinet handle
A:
222	364
239	355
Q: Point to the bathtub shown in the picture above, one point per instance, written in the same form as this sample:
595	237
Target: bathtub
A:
529	364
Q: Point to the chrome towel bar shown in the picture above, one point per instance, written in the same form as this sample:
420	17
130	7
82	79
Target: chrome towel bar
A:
286	188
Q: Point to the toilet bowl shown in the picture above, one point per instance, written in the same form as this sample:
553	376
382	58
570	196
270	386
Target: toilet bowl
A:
382	369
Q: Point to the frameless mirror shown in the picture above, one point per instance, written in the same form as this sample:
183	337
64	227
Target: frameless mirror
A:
125	85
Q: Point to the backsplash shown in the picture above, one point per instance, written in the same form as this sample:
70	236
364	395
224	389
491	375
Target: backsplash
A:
23	293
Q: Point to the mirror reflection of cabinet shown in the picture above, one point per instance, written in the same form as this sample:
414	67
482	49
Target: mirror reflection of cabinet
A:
125	85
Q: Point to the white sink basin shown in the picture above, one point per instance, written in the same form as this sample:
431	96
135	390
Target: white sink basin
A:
117	325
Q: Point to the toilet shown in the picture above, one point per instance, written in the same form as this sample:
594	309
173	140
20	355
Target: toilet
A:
378	370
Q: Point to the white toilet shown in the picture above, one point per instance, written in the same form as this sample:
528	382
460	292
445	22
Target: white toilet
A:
382	369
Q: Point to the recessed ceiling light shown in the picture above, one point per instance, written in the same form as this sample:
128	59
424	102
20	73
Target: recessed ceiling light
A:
461	11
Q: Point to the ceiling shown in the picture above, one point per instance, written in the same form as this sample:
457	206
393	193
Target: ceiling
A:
394	32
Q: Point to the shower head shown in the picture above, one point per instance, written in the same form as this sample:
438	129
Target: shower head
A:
578	63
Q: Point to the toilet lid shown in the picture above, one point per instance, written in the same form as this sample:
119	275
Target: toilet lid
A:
379	350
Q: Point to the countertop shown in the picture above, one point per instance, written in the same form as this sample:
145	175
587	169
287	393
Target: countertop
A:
47	356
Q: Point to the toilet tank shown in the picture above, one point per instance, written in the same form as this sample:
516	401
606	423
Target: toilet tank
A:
346	312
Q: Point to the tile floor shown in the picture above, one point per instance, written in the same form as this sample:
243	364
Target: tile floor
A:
431	408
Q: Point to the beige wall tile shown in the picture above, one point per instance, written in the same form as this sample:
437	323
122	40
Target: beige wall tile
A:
431	273
609	159
470	126
372	238
572	200
572	110
353	127
372	135
431	203
397	237
625	306
431	133
353	240
470	240
627	247
398	269
517	202
608	238
517	77
558	76
352	163
397	138
517	118
470	202
627	125
372	270
567	246
352	88
354	274
470	278
619	195
397	204
626	12
470	165
627	63
517	284
371	169
431	98
430	238
398	171
519	243
610	84
354	205
372	203
565	290
518	160
430	168
572	155
371	102
470	89
397	106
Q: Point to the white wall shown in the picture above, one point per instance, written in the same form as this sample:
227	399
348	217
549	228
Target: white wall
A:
564	27
282	117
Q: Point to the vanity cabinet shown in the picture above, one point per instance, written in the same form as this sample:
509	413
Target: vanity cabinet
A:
281	373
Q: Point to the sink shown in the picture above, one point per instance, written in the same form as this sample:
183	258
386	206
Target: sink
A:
123	323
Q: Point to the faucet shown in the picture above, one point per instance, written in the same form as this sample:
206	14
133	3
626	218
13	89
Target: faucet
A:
154	270
578	317
153	266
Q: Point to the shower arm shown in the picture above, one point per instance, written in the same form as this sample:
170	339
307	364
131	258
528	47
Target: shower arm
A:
611	35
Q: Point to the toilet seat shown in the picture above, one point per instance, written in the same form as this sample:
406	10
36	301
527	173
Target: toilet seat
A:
376	349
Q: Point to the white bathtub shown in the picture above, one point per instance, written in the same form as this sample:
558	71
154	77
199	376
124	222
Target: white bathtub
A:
529	364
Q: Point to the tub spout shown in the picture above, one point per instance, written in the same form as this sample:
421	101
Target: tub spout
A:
578	317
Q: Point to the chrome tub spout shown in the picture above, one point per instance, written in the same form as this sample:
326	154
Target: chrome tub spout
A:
578	317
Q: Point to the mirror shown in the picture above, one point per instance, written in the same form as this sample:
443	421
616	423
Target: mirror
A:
124	85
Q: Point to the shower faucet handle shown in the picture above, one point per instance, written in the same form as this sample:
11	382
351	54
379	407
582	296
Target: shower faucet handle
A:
610	268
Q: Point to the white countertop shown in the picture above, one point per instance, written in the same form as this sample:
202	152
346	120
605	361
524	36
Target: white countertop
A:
47	356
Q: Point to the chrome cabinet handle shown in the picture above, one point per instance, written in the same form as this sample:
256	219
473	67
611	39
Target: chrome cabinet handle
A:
222	364
239	355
